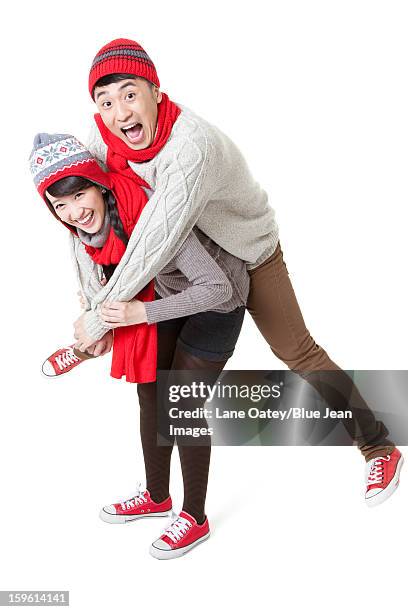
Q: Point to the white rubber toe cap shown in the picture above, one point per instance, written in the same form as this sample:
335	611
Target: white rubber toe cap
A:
373	493
110	509
161	545
47	369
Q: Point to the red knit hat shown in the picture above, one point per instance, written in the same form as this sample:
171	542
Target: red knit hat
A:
122	56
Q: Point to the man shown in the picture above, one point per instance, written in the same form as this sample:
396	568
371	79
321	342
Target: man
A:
195	175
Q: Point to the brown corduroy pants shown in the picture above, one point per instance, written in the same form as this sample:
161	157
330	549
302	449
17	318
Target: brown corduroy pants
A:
273	305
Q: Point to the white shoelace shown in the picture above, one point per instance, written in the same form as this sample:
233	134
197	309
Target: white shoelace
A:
66	359
376	474
138	498
177	528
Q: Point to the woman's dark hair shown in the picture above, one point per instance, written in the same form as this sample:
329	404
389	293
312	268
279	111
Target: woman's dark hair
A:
115	78
68	186
72	184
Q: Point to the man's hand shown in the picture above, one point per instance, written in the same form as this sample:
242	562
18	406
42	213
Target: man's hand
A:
81	300
121	314
102	346
83	340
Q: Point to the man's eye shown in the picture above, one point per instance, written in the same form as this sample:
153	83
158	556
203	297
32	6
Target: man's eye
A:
78	195
130	96
106	105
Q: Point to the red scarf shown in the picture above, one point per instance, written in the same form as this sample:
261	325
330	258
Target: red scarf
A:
135	346
118	151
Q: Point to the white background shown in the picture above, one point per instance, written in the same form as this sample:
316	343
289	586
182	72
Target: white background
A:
316	96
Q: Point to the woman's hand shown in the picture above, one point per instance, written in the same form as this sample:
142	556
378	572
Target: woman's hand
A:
121	314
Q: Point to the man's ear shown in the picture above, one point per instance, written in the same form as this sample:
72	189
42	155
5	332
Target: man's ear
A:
158	95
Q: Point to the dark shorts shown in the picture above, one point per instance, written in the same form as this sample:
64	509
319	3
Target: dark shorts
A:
209	335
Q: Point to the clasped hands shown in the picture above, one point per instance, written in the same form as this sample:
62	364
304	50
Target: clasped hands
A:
114	314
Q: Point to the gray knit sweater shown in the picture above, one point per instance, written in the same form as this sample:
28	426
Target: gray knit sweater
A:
199	178
200	277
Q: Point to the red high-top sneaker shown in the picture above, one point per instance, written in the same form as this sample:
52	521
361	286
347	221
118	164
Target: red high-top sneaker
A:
382	477
180	536
139	506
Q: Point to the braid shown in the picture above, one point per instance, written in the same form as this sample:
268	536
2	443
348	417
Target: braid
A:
114	218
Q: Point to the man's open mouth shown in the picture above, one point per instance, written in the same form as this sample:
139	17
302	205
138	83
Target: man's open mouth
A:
134	133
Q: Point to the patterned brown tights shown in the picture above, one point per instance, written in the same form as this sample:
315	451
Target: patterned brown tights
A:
195	460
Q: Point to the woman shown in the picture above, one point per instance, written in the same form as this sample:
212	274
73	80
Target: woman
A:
192	327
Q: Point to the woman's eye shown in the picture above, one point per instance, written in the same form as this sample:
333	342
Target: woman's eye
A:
78	195
57	206
106	104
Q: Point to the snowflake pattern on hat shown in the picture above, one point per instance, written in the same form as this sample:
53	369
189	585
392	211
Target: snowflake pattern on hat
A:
46	157
53	154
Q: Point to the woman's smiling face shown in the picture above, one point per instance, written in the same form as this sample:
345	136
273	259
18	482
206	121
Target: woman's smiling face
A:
84	209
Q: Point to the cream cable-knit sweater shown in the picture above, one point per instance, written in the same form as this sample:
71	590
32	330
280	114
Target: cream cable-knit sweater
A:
199	178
